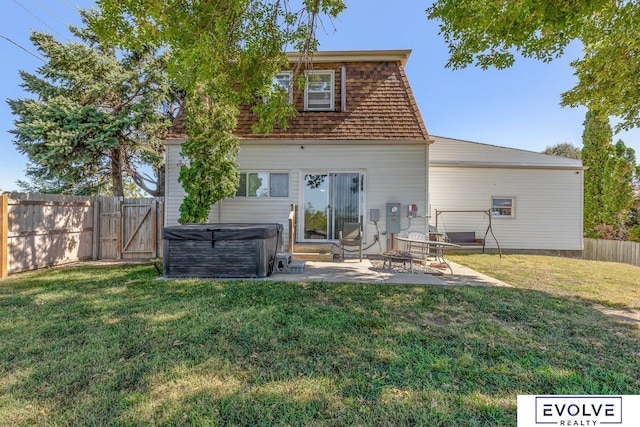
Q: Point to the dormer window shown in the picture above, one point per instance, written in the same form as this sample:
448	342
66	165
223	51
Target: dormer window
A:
284	80
319	93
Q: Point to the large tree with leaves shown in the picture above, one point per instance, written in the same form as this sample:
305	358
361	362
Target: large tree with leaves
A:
97	118
224	54
564	149
488	33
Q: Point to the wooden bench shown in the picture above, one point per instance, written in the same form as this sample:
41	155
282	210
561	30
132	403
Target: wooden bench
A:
467	239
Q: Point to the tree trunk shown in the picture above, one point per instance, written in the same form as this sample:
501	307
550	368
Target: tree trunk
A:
160	173
116	172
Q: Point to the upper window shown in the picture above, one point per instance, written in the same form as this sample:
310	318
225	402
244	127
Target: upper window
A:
263	184
502	207
319	93
284	80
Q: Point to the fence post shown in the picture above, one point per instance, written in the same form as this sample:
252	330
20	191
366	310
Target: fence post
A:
4	236
96	229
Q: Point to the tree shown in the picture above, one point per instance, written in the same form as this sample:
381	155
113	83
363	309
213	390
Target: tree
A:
97	118
617	191
596	140
224	54
488	33
608	181
564	149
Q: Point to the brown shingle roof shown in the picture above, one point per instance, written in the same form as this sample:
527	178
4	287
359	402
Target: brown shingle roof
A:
379	103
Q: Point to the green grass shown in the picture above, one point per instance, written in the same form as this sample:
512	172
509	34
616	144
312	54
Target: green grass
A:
607	283
115	346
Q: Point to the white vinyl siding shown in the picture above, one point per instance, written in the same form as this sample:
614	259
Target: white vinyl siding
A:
546	192
393	173
319	93
549	205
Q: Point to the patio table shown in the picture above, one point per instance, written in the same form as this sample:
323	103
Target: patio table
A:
438	247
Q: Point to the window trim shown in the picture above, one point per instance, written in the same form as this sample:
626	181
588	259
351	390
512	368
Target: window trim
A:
332	92
268	196
493	207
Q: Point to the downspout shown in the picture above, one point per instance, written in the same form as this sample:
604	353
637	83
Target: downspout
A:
343	89
427	207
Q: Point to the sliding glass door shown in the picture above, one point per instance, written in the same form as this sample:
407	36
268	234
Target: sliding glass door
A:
330	200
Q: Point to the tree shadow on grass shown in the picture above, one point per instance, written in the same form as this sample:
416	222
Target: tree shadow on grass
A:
116	346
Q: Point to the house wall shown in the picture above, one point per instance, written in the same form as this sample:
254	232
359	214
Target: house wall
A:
394	172
548	204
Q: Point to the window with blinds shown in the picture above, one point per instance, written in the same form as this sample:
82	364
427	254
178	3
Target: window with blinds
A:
319	92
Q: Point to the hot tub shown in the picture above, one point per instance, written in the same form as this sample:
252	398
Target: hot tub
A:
220	250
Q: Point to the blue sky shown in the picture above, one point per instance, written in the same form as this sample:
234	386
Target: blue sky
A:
518	107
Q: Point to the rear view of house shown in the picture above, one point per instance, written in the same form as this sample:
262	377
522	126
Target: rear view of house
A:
357	144
358	152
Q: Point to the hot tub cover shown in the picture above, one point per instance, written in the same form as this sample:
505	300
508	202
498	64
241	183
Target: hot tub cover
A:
218	232
220	250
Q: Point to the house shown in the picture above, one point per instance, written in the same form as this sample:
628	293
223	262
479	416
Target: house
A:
358	151
535	200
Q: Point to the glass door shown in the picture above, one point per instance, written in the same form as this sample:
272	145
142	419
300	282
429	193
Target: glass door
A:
316	207
330	200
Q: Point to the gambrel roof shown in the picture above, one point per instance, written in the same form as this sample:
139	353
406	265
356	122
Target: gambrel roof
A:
372	101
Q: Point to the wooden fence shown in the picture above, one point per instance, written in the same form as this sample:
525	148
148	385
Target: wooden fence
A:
38	230
612	250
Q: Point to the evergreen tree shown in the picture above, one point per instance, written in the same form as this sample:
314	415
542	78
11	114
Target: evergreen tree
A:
597	149
608	182
96	119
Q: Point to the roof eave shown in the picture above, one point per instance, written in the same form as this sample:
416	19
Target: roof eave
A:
396	55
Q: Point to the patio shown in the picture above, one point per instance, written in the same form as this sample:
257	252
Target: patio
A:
352	270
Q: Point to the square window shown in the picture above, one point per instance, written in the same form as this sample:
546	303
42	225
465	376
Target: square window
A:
279	186
502	207
258	184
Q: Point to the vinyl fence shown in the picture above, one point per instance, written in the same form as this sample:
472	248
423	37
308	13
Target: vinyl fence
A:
38	230
612	250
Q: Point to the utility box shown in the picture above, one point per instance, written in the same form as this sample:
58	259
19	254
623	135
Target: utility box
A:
393	218
374	215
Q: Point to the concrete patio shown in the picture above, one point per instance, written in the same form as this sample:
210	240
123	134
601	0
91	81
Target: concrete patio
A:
354	271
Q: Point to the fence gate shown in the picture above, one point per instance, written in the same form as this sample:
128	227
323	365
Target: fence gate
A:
129	228
139	230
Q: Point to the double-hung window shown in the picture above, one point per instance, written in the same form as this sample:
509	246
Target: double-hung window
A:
319	92
263	184
284	80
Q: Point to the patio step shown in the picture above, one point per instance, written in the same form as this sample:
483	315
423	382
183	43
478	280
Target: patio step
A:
310	256
313	252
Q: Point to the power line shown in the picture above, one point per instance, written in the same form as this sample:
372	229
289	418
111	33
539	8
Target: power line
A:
38	18
22	47
69	6
50	13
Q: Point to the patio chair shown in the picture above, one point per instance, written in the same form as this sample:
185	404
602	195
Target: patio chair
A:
418	243
350	235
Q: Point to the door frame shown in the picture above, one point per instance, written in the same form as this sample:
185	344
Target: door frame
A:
316	171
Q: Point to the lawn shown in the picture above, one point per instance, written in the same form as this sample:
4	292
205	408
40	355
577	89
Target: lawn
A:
116	346
607	283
